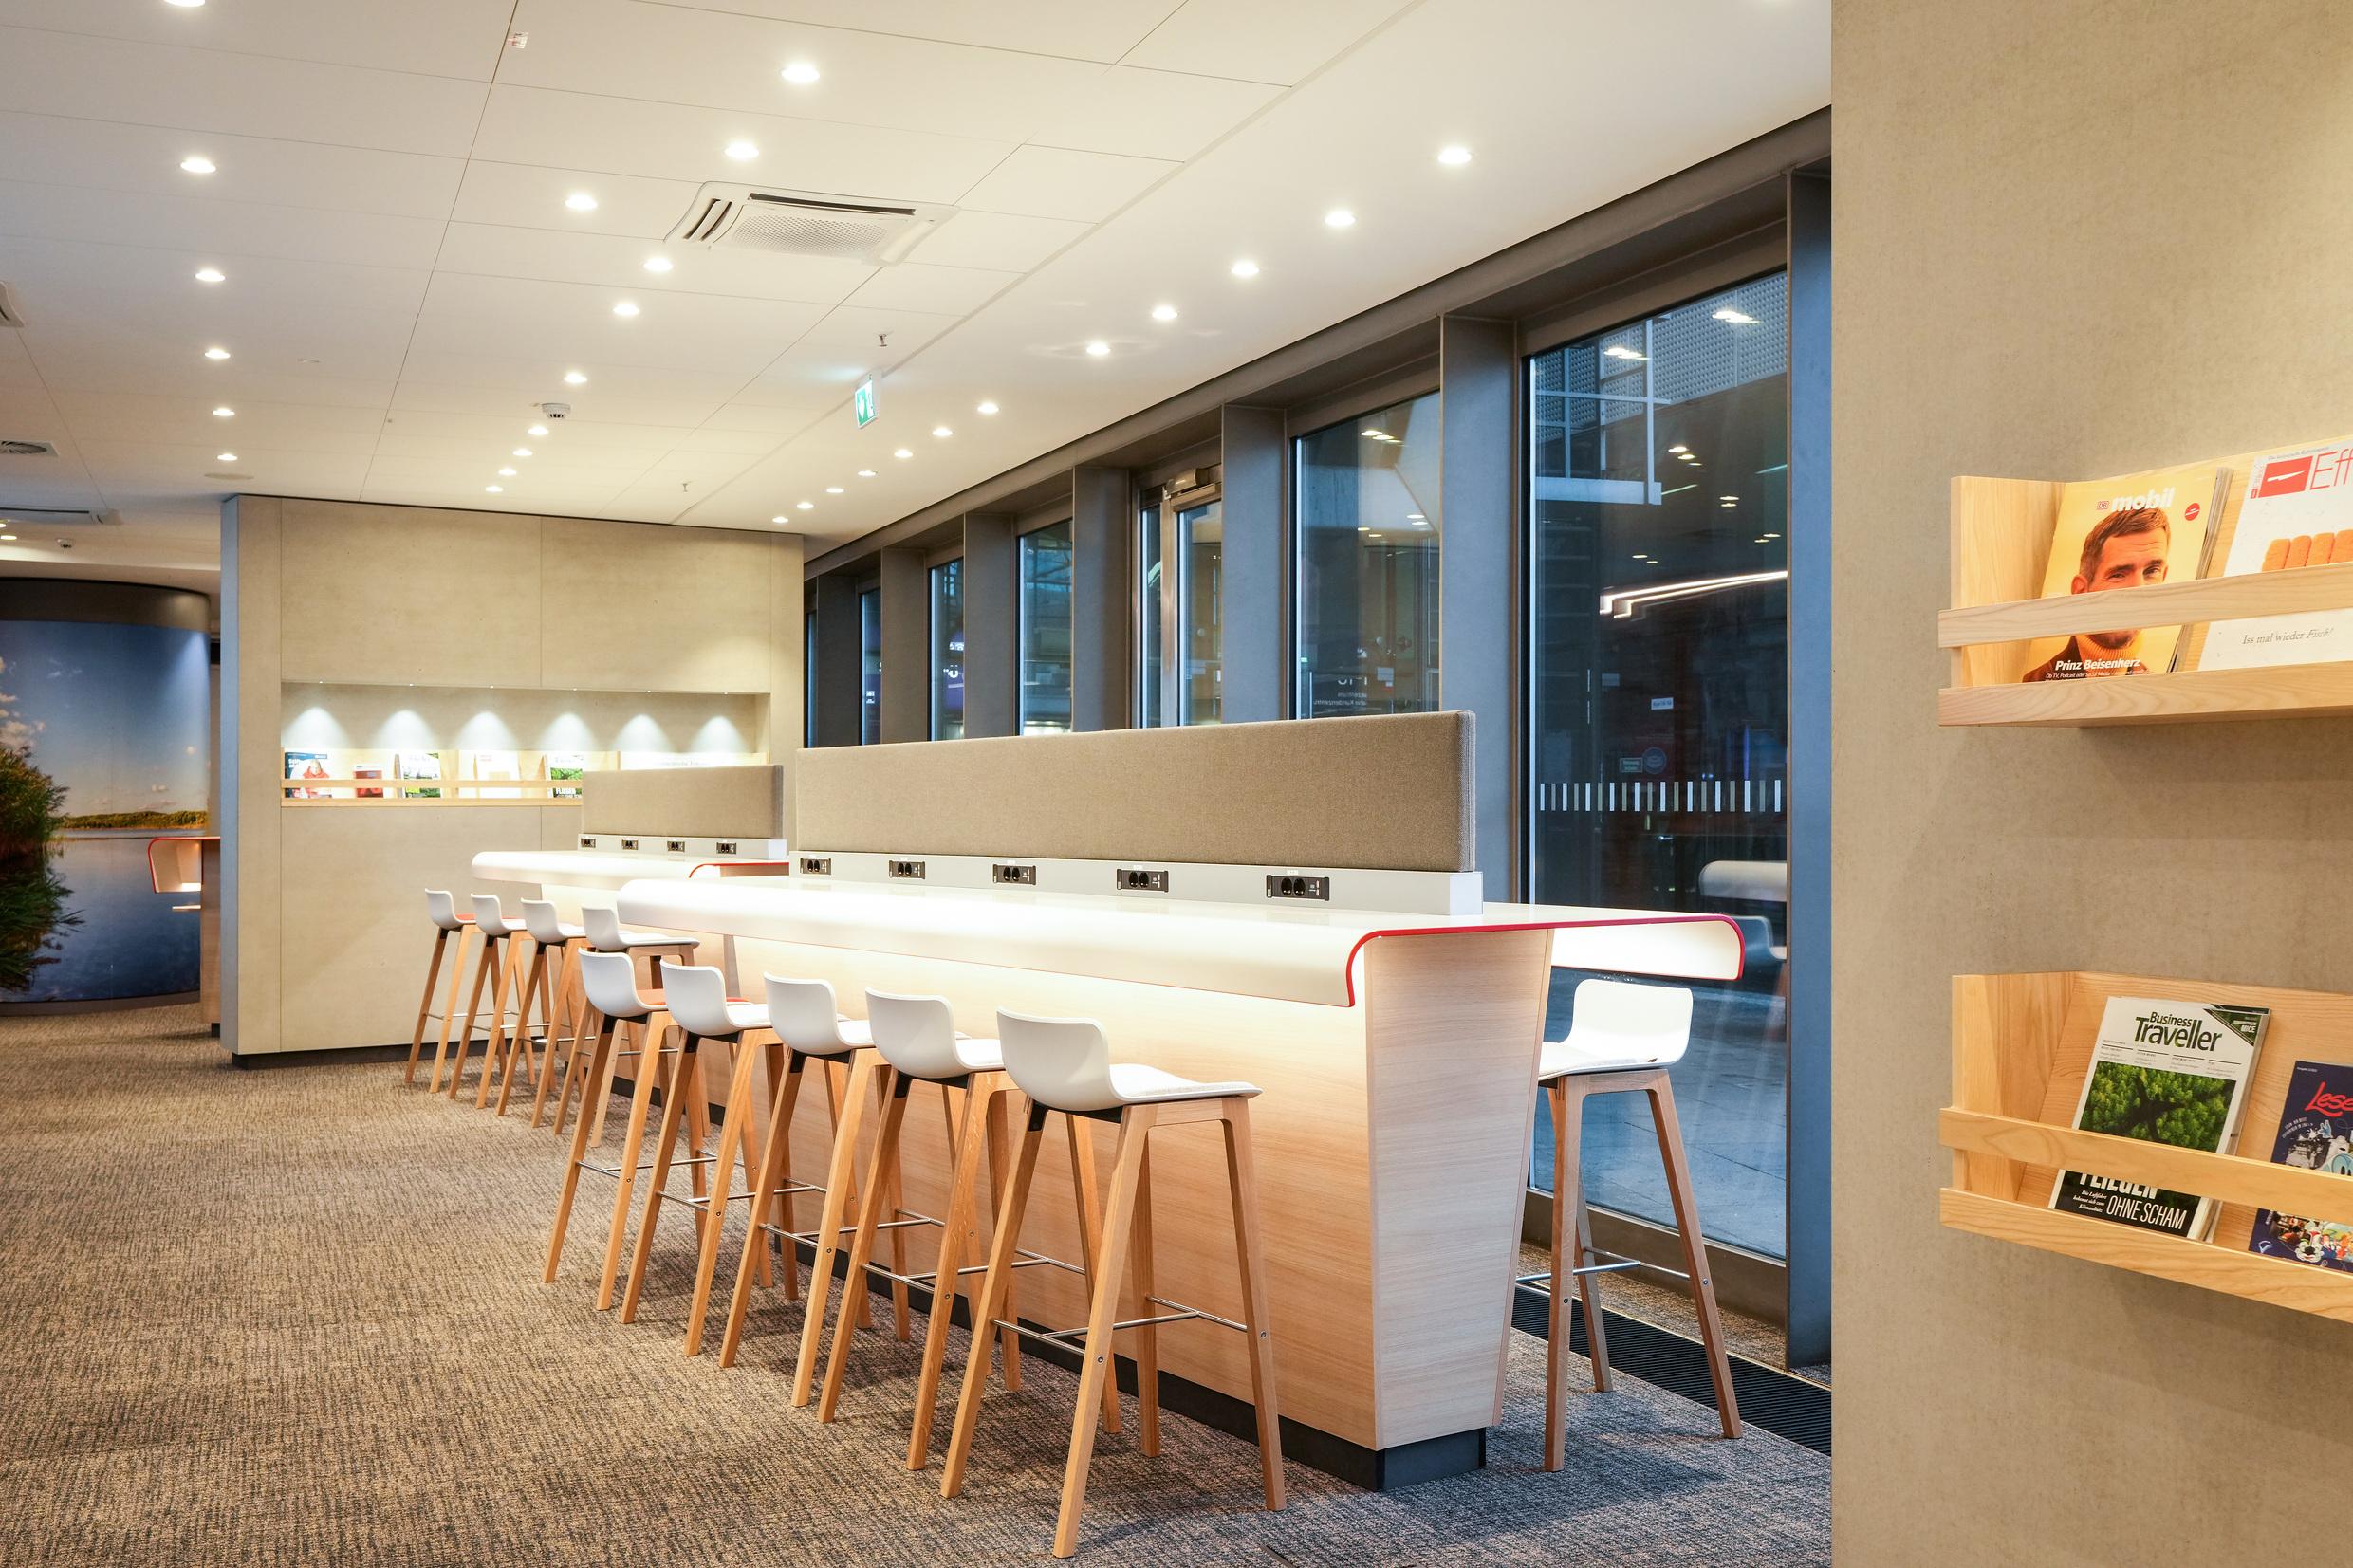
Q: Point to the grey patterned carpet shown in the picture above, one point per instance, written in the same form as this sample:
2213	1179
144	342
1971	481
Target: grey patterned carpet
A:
293	1316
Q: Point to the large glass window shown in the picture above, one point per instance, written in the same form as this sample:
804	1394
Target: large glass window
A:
1368	563
1149	571
948	650
1200	545
1046	630
1659	633
870	666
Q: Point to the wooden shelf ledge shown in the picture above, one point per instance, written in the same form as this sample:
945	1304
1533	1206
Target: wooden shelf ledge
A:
2322	1292
2159	604
2287	691
2225	1178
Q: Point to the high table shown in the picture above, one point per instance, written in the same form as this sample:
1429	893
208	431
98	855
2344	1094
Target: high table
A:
1398	1056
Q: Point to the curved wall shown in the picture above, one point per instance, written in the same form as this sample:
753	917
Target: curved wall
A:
105	742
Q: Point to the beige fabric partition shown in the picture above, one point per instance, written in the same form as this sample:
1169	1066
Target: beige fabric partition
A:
1389	791
2073	239
686	802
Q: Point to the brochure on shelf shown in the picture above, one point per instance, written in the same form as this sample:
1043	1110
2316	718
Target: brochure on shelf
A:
2298	512
2125	532
2315	1133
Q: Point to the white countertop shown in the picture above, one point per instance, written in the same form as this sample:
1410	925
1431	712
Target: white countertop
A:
591	868
1283	952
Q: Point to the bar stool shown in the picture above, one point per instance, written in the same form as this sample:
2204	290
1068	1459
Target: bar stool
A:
604	933
696	998
808	1029
1622	1039
493	964
548	983
610	981
1064	1065
442	911
916	1038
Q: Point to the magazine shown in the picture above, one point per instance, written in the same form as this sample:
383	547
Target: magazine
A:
420	764
491	765
307	765
2298	512
2315	1133
2163	1072
2126	532
567	765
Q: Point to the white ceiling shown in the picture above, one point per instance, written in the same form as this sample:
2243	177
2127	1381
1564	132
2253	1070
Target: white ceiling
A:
404	282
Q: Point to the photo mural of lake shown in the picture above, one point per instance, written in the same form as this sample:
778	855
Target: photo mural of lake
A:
105	734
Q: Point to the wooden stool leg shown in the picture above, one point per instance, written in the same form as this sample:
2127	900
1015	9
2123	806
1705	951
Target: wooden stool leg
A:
519	1048
1148	1337
449	1008
1095	1358
775	1171
572	1172
982	1092
424	1004
1568	1255
990	1307
1000	1172
739	1096
496	1050
1242	1179
749	1146
698	1137
882	1184
682	1087
633	1145
586	1016
1090	1237
852	1102
1695	1248
485	965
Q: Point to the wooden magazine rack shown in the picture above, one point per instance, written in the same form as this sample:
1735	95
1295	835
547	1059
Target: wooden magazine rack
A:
2022	1046
2001	543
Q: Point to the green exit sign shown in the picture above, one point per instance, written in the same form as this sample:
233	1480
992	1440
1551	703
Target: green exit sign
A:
863	400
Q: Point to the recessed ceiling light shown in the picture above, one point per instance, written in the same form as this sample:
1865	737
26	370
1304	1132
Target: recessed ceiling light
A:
799	73
804	505
1414	517
1372	433
224	412
1679	447
224	457
776	519
658	264
902	453
1163	312
1454	157
196	163
184	5
1245	269
625	309
1620	351
1097	349
1338	217
581	201
506	474
574	378
8	539
1736	318
523	452
216	353
1727	498
742	151
536	429
1772	536
210	274
865	474
833	489
984	407
942	432
493	490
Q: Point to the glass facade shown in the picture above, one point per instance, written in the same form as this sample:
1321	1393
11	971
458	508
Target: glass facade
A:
870	666
1369	531
948	650
1659	693
1149	568
1046	630
1200	543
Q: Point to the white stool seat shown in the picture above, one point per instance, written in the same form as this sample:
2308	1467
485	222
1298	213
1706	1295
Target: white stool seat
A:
1562	1057
652	939
746	1015
1137	1084
1615	1028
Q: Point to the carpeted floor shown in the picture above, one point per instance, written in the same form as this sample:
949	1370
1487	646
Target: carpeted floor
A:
293	1316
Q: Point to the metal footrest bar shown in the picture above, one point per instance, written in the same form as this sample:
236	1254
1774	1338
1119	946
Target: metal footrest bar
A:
1194	1312
614	1170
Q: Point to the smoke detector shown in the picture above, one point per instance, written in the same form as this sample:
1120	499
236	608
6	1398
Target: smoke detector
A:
27	449
806	223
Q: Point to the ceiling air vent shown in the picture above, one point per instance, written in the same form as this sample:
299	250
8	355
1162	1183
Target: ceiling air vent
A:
804	223
26	449
52	517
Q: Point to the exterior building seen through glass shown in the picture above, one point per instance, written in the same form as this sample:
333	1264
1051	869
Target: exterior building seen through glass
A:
1369	530
870	666
1046	630
1150	571
1659	693
948	650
